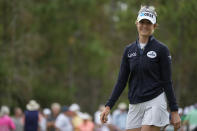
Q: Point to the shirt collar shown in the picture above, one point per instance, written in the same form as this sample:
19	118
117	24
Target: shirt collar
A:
151	38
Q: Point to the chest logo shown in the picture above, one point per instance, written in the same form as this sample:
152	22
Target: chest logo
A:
152	54
132	54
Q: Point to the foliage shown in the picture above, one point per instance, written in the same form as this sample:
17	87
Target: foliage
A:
69	51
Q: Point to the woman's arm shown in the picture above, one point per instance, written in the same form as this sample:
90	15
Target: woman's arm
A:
118	88
122	80
166	78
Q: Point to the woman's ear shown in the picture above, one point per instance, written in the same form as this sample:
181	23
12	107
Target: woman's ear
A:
136	22
155	25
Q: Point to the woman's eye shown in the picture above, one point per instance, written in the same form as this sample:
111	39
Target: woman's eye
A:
145	22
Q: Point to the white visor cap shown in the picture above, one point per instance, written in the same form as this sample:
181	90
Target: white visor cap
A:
147	15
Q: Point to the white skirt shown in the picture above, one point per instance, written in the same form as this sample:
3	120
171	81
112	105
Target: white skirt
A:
153	112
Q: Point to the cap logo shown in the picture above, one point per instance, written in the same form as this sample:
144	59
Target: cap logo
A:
142	14
152	54
146	14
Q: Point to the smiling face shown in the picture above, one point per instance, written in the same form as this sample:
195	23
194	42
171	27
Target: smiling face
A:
145	28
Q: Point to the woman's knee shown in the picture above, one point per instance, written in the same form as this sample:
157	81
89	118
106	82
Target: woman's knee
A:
136	129
150	128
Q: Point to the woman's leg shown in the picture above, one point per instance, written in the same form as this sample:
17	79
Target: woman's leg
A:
150	128
135	129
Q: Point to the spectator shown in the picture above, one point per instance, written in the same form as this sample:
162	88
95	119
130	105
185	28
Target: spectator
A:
63	122
87	124
43	119
120	117
32	116
55	108
191	118
76	120
18	119
6	123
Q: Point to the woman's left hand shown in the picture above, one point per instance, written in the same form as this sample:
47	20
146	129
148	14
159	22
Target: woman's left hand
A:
175	120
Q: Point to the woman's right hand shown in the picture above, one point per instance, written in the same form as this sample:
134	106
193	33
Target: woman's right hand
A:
104	114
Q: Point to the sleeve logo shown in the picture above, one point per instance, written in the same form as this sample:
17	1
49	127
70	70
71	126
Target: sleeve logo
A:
170	57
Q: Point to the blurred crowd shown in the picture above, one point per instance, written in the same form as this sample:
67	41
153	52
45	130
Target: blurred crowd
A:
70	118
188	119
60	118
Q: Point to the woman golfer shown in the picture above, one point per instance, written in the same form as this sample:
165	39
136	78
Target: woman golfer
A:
147	64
